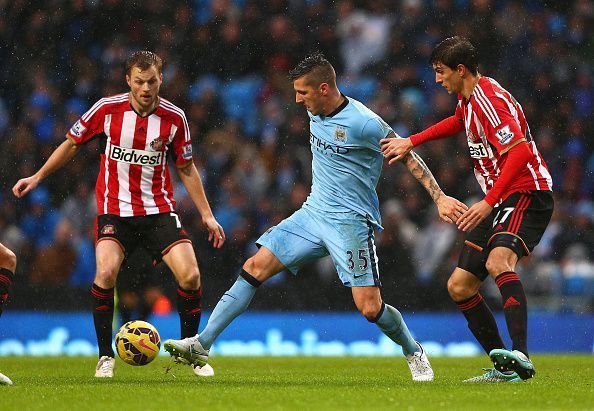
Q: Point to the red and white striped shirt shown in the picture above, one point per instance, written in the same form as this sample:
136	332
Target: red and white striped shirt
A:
494	121
134	178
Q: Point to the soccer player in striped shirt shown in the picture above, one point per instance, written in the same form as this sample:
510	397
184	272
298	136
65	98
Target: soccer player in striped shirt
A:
509	221
135	203
8	263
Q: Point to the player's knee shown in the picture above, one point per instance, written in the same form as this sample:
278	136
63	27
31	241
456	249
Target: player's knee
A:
256	269
8	259
458	290
190	280
496	266
250	265
106	277
370	310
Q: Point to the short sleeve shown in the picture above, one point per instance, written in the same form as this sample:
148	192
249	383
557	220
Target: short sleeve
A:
374	130
501	127
182	143
89	124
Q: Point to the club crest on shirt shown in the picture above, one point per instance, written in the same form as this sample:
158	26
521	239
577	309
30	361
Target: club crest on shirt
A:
340	134
108	229
158	144
472	138
504	135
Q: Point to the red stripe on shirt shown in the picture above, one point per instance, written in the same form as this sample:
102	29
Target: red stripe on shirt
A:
135	171
113	185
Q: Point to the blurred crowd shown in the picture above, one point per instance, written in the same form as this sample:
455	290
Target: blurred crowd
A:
226	64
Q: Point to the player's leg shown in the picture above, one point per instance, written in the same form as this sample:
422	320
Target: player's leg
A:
464	284
501	265
389	320
109	255
287	246
463	287
282	247
517	231
234	301
350	240
256	270
181	259
503	261
8	262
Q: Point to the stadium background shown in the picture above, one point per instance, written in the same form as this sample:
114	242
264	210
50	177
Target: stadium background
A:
226	66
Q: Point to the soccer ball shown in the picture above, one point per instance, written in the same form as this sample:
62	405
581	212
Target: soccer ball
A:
137	342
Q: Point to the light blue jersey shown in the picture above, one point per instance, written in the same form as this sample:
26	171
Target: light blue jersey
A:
339	216
347	160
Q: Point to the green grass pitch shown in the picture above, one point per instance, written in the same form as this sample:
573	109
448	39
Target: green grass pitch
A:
297	383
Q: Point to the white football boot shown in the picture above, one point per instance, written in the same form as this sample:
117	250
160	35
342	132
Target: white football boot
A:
188	350
204	371
4	380
419	365
105	367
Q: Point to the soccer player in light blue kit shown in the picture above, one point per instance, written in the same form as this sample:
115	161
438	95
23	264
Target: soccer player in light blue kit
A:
338	218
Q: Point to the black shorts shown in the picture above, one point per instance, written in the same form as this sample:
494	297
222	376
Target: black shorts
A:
156	233
518	224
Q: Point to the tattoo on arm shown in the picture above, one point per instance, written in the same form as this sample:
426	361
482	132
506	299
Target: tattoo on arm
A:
391	134
421	172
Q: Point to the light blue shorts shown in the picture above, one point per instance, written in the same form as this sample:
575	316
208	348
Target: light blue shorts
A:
308	235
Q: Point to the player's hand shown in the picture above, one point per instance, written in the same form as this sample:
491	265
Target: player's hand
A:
24	185
216	234
395	148
474	215
450	209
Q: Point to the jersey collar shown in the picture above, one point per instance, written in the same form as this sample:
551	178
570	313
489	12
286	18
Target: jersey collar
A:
341	107
149	114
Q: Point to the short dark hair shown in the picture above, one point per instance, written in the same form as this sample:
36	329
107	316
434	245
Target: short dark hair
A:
144	60
456	50
317	67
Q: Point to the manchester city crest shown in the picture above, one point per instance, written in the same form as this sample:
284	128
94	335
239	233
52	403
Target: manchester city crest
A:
340	134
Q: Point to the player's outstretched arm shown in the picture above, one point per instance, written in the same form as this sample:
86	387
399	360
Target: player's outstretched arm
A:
193	183
397	148
449	208
59	157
